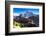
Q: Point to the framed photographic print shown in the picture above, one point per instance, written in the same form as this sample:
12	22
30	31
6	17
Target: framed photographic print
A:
24	17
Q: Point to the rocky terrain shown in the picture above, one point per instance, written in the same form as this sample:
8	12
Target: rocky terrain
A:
27	22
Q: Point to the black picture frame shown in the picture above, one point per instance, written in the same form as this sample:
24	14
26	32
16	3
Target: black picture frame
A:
7	3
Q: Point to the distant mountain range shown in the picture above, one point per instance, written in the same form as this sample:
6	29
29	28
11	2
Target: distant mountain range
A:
25	15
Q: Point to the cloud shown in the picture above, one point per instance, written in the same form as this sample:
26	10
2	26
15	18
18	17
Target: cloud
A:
16	14
36	13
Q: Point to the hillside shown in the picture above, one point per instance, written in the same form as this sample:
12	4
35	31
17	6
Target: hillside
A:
25	21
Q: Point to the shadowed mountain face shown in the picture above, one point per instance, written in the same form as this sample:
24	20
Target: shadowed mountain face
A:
35	19
20	19
24	18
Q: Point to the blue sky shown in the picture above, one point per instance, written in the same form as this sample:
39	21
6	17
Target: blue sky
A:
23	10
